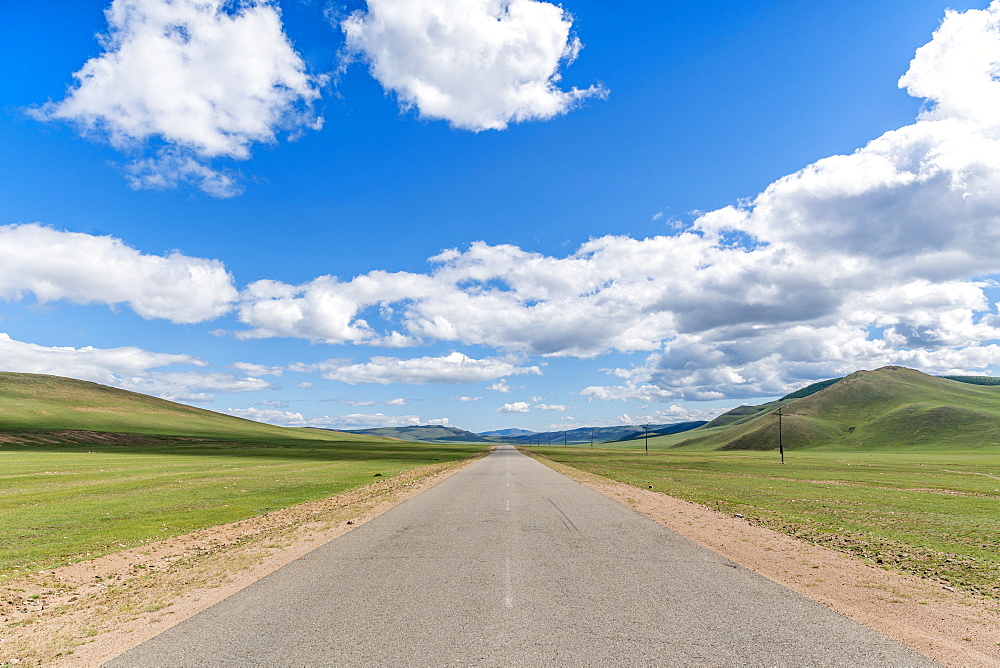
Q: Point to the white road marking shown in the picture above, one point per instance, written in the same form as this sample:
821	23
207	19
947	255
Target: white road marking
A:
508	588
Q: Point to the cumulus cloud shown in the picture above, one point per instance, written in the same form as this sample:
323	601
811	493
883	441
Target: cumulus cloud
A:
882	256
169	168
269	416
199	79
83	269
500	386
515	407
258	369
391	402
452	369
670	415
190	386
956	72
551	407
479	64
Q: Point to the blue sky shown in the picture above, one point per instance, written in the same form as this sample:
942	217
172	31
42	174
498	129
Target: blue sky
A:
495	214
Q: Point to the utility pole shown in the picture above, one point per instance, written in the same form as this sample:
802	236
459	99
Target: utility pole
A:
781	447
564	440
646	430
592	437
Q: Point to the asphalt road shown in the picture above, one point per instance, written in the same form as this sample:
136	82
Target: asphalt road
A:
509	563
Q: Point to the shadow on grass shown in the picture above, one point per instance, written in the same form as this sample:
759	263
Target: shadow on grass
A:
260	449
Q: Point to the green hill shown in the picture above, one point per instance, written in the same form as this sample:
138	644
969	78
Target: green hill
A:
888	407
38	403
742	414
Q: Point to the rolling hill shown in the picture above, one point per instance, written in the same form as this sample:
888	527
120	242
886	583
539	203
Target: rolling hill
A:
887	407
33	403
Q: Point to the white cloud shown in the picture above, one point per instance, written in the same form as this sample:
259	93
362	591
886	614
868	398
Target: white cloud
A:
479	64
500	386
258	369
551	407
467	399
207	78
190	386
452	368
672	414
392	402
269	415
170	168
957	71
515	407
881	256
82	269
275	403
100	365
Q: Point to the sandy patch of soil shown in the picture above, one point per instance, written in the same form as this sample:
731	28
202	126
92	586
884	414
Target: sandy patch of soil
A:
86	613
950	627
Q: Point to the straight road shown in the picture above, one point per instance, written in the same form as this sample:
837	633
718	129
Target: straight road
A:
509	563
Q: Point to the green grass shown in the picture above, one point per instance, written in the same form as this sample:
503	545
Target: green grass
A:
62	503
932	512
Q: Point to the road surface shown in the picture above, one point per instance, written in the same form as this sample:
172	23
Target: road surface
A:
509	563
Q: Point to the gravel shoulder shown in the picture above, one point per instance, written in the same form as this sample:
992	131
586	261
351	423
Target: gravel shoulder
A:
952	628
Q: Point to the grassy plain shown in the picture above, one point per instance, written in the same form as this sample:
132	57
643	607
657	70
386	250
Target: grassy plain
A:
933	513
87	469
65	502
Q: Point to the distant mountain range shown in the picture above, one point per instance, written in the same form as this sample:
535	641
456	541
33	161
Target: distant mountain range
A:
427	433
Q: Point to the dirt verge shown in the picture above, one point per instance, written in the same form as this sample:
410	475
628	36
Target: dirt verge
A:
950	627
89	612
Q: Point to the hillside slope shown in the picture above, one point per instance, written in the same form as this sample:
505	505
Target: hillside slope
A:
34	402
888	407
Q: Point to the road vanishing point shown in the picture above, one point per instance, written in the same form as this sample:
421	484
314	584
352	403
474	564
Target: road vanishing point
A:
509	563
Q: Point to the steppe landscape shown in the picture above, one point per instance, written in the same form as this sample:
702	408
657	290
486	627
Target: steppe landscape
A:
500	333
